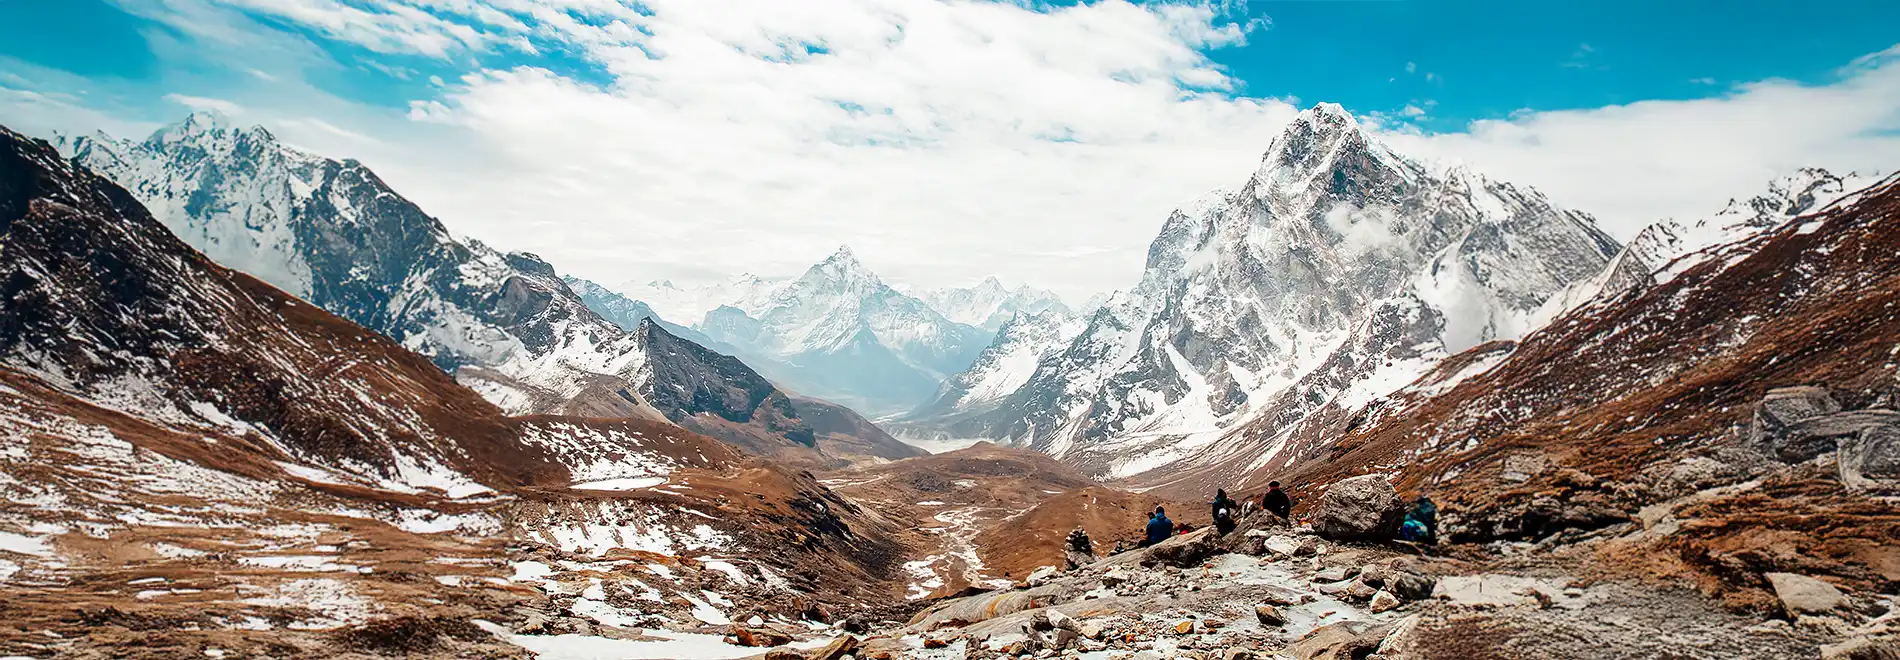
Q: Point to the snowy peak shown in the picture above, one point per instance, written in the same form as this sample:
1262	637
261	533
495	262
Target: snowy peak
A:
1325	151
1805	191
990	303
194	125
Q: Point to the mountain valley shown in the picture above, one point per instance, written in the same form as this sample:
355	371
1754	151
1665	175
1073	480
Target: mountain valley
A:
255	403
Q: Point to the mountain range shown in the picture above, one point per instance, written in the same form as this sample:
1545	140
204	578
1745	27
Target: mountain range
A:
1339	271
331	232
840	332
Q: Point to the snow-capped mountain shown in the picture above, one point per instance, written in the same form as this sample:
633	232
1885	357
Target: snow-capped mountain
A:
1005	365
837	332
691	304
989	305
1339	271
505	324
1667	248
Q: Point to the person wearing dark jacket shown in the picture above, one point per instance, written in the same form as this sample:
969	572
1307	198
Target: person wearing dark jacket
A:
1275	500
1224	512
1159	528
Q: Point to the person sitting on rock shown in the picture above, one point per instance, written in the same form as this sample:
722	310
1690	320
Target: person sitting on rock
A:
1421	523
1275	500
1224	512
1079	542
1159	527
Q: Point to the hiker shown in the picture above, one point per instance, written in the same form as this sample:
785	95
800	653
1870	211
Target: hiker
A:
1421	523
1079	542
1275	500
1159	527
1223	512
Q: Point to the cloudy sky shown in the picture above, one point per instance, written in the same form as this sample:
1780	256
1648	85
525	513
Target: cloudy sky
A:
950	140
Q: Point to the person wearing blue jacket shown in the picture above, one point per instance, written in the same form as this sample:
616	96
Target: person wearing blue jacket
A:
1159	528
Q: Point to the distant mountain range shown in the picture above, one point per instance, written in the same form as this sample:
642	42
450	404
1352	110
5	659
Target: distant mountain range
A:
840	332
504	324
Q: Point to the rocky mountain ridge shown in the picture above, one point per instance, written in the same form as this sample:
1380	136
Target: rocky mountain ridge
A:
1339	271
505	324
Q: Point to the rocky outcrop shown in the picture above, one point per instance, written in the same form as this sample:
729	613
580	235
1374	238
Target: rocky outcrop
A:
1359	508
1798	424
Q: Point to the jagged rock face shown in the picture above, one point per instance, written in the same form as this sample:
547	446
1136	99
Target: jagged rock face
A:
333	233
1337	252
989	305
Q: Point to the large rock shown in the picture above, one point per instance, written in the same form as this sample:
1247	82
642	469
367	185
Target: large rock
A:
1345	640
1801	594
1184	551
1361	508
1872	456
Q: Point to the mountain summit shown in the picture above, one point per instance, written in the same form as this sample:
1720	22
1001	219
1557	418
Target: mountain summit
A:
1336	273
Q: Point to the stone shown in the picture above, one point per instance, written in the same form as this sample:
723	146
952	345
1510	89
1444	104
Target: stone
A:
1374	575
1346	640
1334	574
758	637
1063	639
1359	590
1093	630
1184	627
1410	586
1308	547
1039	621
935	643
1360	508
1237	653
838	648
1062	621
1269	615
1384	601
1863	648
1184	551
1041	576
1801	594
782	654
1116	576
1870	457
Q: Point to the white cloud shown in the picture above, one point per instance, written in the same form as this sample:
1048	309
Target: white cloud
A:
1633	164
945	140
203	103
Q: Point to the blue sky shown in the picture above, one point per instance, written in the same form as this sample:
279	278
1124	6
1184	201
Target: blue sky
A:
919	130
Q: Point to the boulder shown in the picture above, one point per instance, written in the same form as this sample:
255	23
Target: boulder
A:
1333	574
1384	601
1780	410
1410	586
1871	456
758	637
838	648
1345	640
1041	576
1801	594
1863	648
1184	627
1269	615
1184	551
1361	508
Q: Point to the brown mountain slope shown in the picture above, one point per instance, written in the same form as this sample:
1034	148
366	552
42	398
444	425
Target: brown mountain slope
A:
1645	402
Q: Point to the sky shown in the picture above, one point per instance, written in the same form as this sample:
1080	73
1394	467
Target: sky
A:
946	141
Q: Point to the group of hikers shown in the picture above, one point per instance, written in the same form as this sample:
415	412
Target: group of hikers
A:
1420	524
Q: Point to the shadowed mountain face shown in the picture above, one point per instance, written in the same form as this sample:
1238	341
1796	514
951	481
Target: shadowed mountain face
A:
505	324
